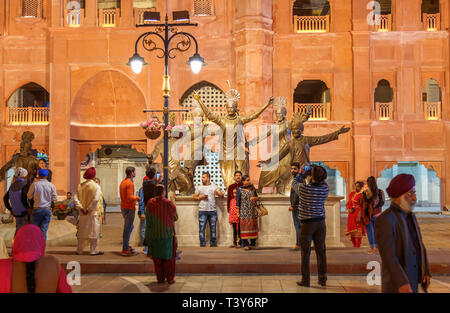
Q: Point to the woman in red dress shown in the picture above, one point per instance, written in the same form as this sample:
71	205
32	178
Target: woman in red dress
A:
233	219
355	225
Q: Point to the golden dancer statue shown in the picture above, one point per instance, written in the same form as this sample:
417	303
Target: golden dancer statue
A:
178	176
298	147
278	176
233	155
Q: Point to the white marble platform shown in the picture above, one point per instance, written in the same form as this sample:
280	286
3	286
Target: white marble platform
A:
276	228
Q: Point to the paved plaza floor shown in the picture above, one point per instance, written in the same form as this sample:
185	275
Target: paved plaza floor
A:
201	283
263	260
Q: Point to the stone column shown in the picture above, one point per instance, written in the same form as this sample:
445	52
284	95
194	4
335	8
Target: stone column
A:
253	37
253	46
407	15
91	12
57	13
362	92
126	13
423	182
59	128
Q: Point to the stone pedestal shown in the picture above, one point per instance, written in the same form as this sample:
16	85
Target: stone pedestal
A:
276	228
60	233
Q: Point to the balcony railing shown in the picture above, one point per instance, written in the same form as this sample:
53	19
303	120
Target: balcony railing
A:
28	116
74	18
139	15
319	111
109	17
312	24
432	22
385	111
383	22
432	111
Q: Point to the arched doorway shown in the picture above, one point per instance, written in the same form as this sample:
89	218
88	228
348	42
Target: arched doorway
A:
106	111
428	185
28	105
313	95
384	101
212	96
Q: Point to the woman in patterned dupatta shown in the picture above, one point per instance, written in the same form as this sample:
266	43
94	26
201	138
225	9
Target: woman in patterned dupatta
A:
246	198
355	226
160	235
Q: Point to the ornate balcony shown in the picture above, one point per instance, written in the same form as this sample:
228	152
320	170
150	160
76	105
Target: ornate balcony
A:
319	111
312	24
73	18
109	17
432	111
28	116
384	111
432	22
383	22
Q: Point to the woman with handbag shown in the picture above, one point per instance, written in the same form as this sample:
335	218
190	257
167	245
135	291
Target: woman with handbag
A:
372	201
246	199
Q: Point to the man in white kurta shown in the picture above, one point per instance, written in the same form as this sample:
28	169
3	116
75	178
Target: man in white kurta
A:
89	219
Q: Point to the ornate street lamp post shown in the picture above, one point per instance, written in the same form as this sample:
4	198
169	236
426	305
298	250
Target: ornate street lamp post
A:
166	33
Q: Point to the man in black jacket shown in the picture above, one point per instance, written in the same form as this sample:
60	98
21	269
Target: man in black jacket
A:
16	198
403	254
146	192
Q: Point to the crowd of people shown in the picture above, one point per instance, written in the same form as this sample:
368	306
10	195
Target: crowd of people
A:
394	233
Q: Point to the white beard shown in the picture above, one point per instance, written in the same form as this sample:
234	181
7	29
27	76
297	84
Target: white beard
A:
404	205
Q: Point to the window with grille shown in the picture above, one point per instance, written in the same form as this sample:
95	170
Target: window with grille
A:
212	97
30	8
213	167
203	7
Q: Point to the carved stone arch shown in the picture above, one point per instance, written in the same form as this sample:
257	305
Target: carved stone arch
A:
195	87
341	166
139	147
383	165
212	96
434	166
82	84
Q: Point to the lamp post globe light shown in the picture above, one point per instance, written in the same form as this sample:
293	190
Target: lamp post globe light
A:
165	33
136	62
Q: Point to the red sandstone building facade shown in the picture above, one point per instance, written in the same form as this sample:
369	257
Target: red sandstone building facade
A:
387	79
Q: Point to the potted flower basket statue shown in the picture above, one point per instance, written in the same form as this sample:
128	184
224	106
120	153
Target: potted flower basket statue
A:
153	128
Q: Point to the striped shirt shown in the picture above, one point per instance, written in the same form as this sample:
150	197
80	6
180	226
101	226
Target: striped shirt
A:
312	200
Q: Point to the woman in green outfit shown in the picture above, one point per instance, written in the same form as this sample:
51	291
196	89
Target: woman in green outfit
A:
160	235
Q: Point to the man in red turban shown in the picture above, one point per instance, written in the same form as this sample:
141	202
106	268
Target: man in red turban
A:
397	233
87	202
90	173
